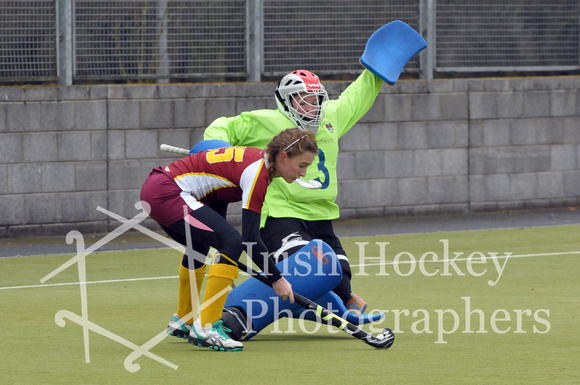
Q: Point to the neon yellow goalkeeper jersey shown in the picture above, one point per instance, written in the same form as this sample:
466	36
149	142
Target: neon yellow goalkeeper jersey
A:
256	129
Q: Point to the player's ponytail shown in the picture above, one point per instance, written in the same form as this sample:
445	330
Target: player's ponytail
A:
294	142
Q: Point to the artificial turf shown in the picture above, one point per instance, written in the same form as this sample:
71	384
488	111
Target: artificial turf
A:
470	321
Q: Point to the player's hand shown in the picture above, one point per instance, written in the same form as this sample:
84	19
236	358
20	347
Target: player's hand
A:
283	288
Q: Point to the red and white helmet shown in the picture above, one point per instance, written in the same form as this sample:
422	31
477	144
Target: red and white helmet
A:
295	90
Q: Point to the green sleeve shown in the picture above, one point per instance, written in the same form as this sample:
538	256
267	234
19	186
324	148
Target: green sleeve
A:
354	102
223	129
251	129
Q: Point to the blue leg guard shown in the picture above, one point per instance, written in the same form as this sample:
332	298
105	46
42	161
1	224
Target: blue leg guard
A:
313	271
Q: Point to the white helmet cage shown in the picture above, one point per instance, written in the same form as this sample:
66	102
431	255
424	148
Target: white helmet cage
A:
292	90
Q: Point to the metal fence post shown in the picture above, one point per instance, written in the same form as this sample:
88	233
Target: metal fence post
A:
254	38
427	19
65	44
163	69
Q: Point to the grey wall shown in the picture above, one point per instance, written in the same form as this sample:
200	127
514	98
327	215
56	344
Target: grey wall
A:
426	146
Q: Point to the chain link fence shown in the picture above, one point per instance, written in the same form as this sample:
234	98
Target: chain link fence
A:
28	41
197	40
327	37
151	39
491	35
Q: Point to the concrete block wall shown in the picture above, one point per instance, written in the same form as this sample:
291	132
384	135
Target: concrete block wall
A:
464	145
455	145
409	153
525	144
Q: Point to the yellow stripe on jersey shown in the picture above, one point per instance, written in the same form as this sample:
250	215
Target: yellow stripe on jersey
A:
203	174
254	184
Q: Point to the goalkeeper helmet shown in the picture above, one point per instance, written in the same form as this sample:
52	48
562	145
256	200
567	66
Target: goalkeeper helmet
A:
302	99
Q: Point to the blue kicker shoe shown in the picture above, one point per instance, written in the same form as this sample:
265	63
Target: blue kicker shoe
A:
178	328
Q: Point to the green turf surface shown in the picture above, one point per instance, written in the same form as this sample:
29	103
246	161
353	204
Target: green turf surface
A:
521	323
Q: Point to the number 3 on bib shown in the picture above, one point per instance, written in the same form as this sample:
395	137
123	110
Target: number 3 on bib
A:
322	167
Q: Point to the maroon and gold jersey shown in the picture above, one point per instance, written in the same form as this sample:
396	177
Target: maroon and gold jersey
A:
227	174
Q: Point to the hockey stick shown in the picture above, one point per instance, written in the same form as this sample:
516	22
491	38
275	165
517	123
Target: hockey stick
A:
312	184
174	150
382	341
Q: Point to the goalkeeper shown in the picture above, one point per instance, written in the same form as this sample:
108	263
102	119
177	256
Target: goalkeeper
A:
292	215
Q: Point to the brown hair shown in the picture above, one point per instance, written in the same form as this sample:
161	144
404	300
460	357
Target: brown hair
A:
294	142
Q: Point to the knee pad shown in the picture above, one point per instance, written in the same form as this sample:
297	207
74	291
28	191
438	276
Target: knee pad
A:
313	271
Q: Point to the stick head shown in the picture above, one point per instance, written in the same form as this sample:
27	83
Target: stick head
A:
383	341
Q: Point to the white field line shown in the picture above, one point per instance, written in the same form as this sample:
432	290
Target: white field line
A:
506	255
88	283
367	264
